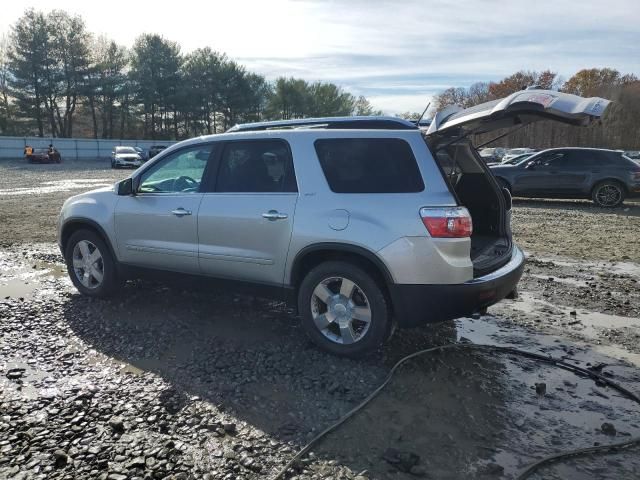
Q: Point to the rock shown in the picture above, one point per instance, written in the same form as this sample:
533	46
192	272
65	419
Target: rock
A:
418	471
61	458
608	429
229	427
137	462
492	469
116	424
541	388
403	461
116	476
15	373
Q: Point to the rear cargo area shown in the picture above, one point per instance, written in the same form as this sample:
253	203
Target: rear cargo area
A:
475	189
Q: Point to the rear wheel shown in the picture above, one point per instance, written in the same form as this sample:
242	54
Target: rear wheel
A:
608	194
90	264
343	309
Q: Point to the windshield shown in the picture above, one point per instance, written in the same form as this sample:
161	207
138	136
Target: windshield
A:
125	150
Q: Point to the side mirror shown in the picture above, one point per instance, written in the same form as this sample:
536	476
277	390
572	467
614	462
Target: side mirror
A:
125	187
530	166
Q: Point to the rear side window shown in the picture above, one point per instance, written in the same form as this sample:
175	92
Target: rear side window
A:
369	165
256	166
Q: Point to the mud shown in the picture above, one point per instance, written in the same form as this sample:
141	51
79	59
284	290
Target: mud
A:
232	385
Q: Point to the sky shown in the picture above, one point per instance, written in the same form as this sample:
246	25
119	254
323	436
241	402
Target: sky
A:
396	53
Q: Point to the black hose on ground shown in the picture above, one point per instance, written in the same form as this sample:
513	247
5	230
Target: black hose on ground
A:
528	471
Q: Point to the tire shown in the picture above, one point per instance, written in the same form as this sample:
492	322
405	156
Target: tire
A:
104	264
608	194
348	325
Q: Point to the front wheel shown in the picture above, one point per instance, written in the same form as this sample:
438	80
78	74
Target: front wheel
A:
344	310
608	194
90	264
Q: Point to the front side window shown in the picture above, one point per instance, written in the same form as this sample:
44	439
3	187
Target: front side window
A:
256	166
369	165
180	172
549	158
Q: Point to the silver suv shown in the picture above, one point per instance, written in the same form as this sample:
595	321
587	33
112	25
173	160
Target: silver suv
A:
362	223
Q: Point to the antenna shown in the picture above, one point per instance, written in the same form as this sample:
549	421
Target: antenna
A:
423	112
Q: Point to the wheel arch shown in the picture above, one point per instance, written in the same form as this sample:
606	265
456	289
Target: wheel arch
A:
609	179
503	182
313	255
72	225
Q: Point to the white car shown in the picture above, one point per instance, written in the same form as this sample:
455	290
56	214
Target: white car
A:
125	157
515	152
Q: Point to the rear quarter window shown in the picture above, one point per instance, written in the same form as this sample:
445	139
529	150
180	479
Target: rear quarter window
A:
369	165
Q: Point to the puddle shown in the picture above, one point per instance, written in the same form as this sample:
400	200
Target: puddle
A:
39	277
567	281
58	186
621	268
589	324
462	412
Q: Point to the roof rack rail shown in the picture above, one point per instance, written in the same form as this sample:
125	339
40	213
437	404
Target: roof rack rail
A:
346	123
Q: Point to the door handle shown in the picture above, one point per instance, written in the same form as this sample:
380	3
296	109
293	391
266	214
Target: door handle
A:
274	215
181	212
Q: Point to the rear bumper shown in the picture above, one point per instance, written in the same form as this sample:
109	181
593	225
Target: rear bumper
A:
420	304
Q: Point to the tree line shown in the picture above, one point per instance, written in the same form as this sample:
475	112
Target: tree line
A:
619	127
57	79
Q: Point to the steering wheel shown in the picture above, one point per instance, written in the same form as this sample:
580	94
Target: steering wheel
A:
184	183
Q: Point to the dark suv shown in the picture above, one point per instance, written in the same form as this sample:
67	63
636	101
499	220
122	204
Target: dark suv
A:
605	176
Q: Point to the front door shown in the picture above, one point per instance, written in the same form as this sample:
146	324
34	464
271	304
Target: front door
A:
535	177
158	227
245	223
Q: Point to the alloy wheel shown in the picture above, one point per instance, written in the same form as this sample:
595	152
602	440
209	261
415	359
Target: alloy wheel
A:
608	195
340	310
88	264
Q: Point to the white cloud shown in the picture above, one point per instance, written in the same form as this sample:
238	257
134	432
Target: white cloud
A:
381	48
396	104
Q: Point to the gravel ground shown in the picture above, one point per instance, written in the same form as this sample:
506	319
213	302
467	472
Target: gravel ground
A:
175	382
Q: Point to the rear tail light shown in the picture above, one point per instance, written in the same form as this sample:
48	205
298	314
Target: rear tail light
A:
447	222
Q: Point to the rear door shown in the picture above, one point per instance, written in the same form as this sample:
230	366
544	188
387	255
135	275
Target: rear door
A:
245	221
517	109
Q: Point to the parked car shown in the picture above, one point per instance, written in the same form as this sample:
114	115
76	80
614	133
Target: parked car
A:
156	149
605	176
125	157
515	152
42	155
515	160
362	223
633	154
144	155
492	155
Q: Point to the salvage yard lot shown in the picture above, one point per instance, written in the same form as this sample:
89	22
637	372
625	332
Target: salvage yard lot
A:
167	381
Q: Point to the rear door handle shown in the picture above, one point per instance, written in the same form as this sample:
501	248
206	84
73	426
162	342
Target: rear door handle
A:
181	212
274	215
